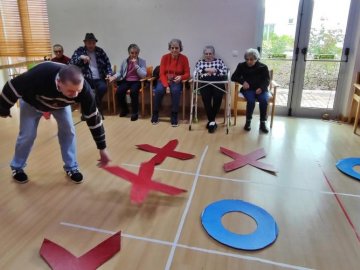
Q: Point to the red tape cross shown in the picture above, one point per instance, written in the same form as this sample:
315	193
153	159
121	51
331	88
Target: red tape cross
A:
164	152
142	182
242	160
58	258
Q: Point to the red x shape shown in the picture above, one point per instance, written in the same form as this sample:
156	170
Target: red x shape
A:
142	182
242	160
164	152
58	258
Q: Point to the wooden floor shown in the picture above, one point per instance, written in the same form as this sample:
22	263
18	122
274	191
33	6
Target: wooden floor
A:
319	225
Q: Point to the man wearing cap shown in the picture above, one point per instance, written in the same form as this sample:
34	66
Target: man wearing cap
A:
52	87
95	66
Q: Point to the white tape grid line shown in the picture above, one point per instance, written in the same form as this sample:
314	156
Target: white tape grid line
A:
203	250
210	177
186	210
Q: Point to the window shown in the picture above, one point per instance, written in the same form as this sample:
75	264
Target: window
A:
24	29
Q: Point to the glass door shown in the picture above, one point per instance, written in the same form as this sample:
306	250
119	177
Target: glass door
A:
303	42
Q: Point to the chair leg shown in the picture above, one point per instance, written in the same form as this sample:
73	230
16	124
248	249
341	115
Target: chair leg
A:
142	103
272	114
108	98
183	103
351	111
235	110
151	99
114	99
356	117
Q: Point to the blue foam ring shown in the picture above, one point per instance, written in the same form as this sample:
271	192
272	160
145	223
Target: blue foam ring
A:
264	235
346	166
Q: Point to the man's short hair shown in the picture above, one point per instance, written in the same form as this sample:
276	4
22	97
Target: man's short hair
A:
58	46
71	73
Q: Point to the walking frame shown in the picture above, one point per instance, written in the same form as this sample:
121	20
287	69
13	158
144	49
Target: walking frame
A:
195	90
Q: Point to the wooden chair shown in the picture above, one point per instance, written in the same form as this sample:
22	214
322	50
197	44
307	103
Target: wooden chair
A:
355	99
239	97
113	86
183	94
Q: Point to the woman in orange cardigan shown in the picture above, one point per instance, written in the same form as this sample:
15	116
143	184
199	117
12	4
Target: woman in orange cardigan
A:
174	67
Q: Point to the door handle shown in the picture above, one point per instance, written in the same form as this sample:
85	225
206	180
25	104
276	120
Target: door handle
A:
304	52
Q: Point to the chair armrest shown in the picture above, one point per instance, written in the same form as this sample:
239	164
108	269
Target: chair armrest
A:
273	88
356	88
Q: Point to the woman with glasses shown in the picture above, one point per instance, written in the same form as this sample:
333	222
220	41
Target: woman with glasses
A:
211	69
132	69
174	67
59	55
255	79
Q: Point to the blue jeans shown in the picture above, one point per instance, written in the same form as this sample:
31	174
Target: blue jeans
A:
175	91
100	87
251	98
29	120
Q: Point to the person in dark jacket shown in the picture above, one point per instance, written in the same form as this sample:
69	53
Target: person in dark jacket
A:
52	87
95	66
255	79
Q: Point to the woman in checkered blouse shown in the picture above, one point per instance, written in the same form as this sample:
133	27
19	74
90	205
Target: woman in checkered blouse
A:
211	69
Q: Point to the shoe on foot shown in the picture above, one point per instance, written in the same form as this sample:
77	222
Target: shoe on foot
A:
263	127
212	127
123	114
134	117
75	175
155	118
19	176
247	126
174	119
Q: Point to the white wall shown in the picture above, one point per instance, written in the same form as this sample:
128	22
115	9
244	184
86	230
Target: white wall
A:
227	24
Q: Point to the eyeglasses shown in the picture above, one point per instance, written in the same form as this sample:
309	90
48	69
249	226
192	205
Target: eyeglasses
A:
57	51
208	53
249	59
174	48
134	52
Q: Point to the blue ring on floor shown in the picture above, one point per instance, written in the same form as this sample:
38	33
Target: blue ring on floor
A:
346	166
264	235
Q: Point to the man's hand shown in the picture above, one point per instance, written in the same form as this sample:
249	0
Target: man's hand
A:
111	78
258	91
104	158
85	58
246	86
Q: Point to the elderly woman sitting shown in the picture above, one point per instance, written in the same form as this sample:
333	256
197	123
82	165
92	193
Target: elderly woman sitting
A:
255	80
174	67
211	69
132	69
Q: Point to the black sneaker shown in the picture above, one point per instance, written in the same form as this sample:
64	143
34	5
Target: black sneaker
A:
134	117
263	127
75	176
247	126
155	118
19	176
212	128
174	119
123	114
